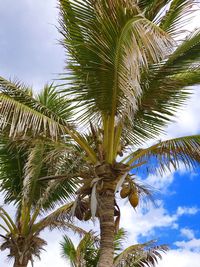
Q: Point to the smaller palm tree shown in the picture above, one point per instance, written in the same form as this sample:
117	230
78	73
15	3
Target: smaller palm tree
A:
86	254
22	169
29	170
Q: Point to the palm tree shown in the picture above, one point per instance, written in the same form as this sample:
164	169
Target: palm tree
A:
128	71
22	172
87	252
25	165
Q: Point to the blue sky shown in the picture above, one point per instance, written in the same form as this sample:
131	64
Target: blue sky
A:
29	51
182	192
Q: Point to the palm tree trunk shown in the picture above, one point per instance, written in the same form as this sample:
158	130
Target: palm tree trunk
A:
107	228
18	264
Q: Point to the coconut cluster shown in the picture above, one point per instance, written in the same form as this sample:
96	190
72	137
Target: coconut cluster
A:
131	192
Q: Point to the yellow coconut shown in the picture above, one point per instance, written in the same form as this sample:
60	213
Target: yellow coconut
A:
134	199
125	191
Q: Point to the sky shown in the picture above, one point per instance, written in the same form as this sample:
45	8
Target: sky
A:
30	52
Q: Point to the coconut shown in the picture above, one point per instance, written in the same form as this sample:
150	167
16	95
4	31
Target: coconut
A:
125	191
79	214
87	215
134	199
81	208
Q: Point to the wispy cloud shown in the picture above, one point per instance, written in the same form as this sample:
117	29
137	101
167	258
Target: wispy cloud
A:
188	233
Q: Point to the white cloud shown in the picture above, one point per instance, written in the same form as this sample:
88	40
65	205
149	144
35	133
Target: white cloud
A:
52	256
160	182
186	232
193	244
187	253
146	220
187	210
188	119
180	258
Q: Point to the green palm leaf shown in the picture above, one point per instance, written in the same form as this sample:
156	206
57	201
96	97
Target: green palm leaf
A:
152	7
169	154
12	160
177	16
23	113
68	250
86	253
166	87
140	255
107	54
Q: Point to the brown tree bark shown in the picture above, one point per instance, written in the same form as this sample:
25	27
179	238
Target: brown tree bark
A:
18	264
107	228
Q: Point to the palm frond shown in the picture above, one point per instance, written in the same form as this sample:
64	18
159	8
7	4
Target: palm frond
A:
120	238
59	215
20	118
169	154
21	113
86	253
64	225
22	95
104	48
140	255
63	163
68	251
32	170
12	160
185	55
6	229
186	79
50	98
10	225
166	87
177	16
152	8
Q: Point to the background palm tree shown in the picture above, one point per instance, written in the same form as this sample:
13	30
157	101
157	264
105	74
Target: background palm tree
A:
126	76
22	169
26	164
86	254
